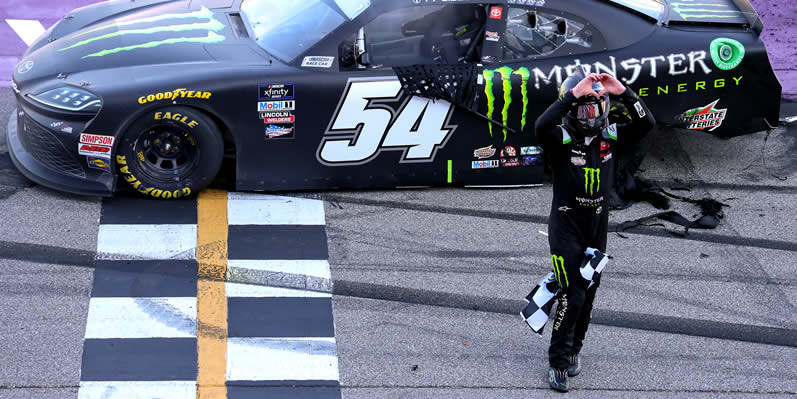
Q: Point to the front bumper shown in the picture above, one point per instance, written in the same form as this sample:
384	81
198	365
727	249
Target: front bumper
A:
46	167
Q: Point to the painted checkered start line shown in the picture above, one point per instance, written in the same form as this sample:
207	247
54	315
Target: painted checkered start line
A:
226	296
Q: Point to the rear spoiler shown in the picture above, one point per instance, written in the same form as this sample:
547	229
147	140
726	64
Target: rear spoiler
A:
738	13
751	15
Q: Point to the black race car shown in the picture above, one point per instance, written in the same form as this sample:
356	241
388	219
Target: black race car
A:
154	94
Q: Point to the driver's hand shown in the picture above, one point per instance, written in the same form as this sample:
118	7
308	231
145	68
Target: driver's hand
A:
584	87
611	85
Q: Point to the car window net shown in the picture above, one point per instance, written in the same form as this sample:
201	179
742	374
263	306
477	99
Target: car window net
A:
531	34
453	83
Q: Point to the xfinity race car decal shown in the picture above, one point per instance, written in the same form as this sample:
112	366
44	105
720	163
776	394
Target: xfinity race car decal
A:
211	26
365	123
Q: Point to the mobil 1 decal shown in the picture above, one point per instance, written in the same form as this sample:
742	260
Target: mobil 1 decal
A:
374	116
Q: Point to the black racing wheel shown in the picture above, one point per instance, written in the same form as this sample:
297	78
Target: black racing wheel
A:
172	152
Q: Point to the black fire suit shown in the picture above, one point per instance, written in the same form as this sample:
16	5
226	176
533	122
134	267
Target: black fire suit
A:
583	171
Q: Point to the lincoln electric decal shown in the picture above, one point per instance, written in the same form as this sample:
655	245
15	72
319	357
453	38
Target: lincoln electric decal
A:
183	29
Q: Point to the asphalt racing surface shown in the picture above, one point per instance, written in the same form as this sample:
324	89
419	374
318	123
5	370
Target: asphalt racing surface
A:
426	287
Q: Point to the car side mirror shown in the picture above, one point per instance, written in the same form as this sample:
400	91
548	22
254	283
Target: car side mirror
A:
364	59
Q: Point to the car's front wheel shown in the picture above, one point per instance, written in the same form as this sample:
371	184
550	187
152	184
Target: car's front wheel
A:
169	153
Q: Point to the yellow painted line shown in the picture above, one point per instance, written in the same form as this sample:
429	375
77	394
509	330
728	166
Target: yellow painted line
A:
211	255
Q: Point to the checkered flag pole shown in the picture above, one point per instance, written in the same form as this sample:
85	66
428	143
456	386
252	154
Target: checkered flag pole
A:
593	265
540	300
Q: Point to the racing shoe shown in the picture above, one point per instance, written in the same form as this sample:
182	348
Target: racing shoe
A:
575	366
558	379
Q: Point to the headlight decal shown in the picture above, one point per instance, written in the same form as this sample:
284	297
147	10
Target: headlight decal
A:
68	98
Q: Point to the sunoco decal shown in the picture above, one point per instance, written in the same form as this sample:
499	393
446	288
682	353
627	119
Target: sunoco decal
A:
102	164
182	33
704	118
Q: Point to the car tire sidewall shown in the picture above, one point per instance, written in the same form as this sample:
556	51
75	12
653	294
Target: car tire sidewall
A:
204	132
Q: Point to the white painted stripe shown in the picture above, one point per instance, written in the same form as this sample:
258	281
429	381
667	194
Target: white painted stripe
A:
137	389
251	208
258	291
274	359
141	318
312	268
167	241
27	29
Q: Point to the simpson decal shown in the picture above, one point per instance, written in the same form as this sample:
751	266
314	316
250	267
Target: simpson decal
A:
96	139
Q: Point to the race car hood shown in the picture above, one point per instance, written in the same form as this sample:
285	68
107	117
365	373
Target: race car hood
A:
115	41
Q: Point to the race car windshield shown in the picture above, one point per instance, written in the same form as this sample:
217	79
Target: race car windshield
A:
286	29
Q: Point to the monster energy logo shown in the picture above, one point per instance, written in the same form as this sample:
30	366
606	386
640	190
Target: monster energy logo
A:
592	180
726	53
212	25
559	270
697	10
505	73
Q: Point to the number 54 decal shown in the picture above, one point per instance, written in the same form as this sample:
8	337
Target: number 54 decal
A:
364	125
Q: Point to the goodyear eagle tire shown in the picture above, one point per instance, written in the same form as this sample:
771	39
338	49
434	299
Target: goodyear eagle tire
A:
169	153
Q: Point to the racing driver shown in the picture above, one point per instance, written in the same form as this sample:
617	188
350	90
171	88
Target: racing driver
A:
579	144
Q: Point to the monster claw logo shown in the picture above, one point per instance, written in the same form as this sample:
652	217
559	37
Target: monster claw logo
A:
559	270
505	73
211	26
592	180
696	11
707	117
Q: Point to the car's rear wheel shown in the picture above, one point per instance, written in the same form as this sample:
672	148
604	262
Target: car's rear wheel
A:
169	153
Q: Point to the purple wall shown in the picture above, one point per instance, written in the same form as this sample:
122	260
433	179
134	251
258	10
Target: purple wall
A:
780	37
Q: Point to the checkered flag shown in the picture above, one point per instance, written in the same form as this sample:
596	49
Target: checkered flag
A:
540	301
593	265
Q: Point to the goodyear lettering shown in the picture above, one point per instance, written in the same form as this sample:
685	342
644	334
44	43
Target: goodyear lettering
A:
176	117
150	191
175	94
